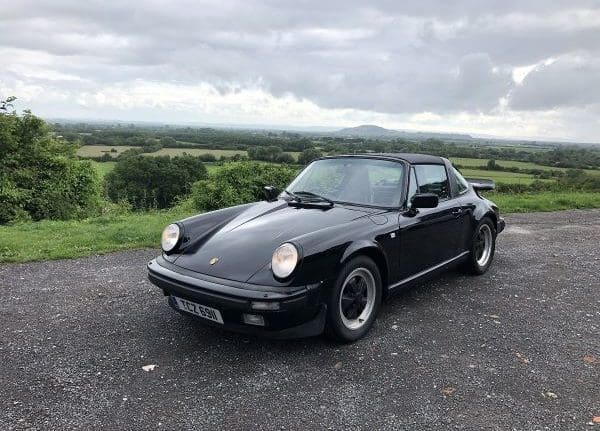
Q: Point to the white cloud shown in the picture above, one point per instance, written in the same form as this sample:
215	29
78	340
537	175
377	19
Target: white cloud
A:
519	68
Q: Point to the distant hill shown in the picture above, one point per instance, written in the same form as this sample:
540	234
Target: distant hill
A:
366	130
372	131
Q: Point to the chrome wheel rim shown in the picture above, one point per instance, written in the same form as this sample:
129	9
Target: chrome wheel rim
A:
483	245
357	298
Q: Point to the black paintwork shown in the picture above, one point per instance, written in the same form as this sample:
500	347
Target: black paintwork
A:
404	243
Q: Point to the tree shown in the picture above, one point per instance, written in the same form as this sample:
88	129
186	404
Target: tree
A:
238	183
208	157
40	176
147	182
491	165
285	158
272	153
309	155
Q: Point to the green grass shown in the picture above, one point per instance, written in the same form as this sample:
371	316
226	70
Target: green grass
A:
103	168
44	240
545	201
470	162
499	177
466	161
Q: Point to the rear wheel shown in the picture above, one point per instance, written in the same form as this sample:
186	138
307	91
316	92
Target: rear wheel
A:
483	247
355	300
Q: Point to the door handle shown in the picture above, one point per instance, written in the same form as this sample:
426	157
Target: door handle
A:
457	211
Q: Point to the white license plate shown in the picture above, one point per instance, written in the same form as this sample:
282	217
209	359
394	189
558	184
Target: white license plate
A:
198	309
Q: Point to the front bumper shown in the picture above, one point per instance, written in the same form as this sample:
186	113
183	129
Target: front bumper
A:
301	312
501	224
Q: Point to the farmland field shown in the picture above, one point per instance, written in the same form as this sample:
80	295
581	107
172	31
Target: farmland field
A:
471	162
197	152
103	168
499	177
100	150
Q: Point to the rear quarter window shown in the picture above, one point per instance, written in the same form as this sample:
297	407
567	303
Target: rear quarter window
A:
433	179
460	183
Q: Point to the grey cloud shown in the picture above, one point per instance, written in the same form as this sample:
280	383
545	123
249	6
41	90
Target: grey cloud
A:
572	83
386	56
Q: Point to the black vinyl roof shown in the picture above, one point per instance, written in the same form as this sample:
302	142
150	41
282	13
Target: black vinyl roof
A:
409	157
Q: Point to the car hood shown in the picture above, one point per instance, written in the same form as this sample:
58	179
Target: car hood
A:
240	244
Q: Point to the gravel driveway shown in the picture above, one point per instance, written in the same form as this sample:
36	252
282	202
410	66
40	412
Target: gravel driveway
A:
517	348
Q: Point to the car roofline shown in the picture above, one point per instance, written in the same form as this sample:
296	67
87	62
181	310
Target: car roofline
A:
412	159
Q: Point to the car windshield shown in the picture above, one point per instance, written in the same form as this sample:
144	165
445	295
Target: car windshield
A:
361	181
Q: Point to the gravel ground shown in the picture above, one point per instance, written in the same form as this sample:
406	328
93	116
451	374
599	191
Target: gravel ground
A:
515	349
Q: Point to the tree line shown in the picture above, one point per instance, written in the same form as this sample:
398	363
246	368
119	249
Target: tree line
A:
265	144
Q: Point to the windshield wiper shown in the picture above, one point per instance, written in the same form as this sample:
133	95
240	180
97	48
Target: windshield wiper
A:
313	196
293	195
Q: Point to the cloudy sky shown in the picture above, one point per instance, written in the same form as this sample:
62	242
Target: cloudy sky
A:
504	68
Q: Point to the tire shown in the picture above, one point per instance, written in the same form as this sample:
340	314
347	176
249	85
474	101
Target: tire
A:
482	248
354	301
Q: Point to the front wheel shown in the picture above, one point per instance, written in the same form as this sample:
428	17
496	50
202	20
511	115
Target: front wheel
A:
355	300
483	247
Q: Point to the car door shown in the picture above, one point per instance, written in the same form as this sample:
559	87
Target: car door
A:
429	236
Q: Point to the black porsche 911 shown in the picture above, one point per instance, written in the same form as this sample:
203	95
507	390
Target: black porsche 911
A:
325	252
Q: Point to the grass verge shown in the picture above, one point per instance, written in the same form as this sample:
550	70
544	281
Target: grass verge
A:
44	240
545	201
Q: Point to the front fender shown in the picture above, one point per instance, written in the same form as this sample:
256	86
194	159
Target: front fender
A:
372	249
366	246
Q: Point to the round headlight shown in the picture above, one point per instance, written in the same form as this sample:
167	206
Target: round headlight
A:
284	260
170	237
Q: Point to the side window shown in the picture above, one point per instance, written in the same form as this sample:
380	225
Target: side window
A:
460	183
433	179
412	186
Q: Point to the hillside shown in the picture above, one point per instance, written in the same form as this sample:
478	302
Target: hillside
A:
373	131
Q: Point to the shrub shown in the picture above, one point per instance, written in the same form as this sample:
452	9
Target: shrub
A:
208	157
153	182
309	155
286	158
238	183
40	176
272	153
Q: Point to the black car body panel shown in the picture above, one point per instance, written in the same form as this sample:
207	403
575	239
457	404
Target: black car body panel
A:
223	260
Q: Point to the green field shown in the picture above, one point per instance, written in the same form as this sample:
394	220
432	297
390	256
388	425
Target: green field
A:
196	152
103	168
499	176
100	150
471	162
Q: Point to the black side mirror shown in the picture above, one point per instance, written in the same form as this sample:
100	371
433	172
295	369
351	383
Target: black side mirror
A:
270	193
424	200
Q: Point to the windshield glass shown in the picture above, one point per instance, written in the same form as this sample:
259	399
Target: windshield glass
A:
354	180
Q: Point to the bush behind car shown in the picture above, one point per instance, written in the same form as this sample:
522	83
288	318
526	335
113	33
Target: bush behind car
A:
237	183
